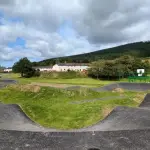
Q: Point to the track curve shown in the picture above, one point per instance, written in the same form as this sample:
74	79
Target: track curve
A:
126	86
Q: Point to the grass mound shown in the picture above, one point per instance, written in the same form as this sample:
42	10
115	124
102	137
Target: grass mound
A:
139	97
51	107
27	88
119	90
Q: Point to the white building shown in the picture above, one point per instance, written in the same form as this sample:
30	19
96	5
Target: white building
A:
70	66
63	67
8	70
44	68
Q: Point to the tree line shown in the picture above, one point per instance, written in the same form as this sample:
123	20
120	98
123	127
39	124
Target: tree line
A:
118	68
121	67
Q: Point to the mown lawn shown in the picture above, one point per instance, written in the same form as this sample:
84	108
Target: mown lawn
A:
51	107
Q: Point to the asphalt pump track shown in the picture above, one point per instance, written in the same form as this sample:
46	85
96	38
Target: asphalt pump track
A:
124	128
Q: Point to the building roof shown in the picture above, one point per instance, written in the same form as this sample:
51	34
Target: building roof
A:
8	68
73	64
47	67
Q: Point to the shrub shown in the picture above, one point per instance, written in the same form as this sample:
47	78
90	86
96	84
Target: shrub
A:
119	68
37	73
28	72
63	75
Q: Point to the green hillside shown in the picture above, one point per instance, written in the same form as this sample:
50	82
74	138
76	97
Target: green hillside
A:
138	49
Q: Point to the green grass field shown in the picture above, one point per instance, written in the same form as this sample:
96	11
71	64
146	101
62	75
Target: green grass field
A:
52	107
75	81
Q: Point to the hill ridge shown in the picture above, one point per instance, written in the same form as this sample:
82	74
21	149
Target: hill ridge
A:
138	49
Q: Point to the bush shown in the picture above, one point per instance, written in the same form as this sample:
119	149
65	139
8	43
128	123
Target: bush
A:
22	66
63	75
37	73
119	68
28	72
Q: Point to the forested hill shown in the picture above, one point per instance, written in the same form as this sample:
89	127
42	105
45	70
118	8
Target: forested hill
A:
139	49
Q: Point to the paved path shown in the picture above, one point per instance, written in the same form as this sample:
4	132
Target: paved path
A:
123	85
124	128
98	99
126	86
116	140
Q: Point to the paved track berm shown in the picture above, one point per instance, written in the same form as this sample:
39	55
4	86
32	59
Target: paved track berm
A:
125	86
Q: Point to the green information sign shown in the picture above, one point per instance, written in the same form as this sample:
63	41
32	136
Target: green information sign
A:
140	79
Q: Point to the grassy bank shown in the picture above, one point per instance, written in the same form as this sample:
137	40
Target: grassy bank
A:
52	107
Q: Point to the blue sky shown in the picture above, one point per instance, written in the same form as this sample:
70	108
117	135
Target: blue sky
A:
1	16
58	28
18	42
65	30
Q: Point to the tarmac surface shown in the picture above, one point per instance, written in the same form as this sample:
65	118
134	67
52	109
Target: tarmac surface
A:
123	129
146	102
98	99
13	118
126	86
109	140
6	82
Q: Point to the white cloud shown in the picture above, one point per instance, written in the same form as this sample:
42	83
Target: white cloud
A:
97	24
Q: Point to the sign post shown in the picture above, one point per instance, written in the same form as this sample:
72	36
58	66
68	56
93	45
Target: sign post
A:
140	72
140	77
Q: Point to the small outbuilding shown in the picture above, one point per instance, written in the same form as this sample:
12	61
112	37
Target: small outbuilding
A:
7	70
